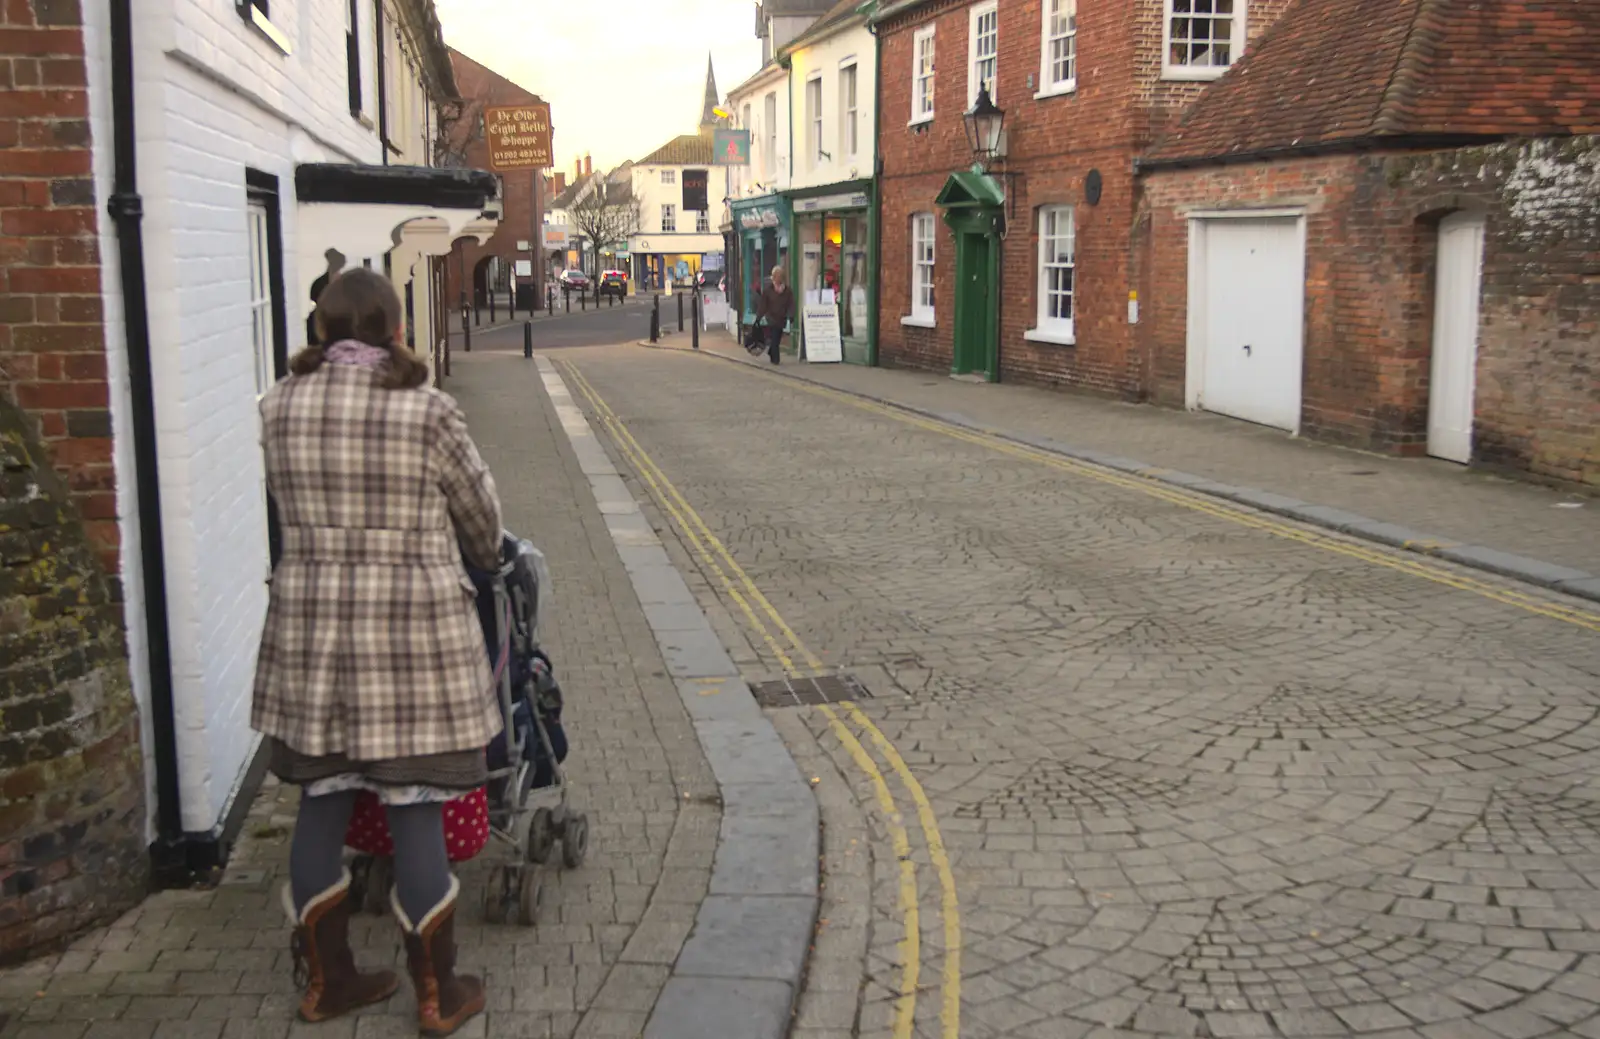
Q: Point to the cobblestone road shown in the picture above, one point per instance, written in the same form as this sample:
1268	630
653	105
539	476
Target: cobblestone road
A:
1198	772
210	964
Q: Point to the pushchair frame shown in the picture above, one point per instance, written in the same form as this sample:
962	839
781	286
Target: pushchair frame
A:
525	821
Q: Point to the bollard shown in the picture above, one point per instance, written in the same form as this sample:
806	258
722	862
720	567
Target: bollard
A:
566	299
550	300
491	308
696	319
583	298
477	314
466	331
680	311
527	339
655	320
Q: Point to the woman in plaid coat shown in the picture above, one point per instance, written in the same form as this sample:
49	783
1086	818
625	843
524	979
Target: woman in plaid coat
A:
372	673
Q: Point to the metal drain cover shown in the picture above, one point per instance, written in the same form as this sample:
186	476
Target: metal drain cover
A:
799	692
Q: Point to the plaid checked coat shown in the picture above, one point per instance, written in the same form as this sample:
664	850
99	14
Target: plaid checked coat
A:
372	646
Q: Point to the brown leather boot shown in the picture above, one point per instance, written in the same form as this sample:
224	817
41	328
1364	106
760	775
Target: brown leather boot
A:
324	966
445	1000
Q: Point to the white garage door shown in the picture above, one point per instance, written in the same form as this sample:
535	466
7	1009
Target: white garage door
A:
1246	296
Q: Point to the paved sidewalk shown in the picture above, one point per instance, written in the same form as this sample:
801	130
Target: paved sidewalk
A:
1524	530
215	964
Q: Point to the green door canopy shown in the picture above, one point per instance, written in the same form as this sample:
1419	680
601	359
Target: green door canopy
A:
968	190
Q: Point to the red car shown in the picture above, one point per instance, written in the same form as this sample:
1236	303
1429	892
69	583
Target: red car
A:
572	278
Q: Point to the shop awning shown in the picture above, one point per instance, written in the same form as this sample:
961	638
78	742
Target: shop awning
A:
368	210
968	190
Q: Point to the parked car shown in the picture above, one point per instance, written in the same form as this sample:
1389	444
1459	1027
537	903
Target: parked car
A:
572	278
614	281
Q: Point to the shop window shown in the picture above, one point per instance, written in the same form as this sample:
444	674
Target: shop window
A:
922	75
1057	272
922	249
669	217
1058	73
983	46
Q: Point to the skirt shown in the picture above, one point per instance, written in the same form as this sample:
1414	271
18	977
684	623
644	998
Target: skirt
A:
455	772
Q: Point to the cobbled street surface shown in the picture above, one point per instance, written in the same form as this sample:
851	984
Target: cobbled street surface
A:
215	963
1197	776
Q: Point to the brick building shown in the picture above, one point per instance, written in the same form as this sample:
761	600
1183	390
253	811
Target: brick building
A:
1043	242
476	266
1381	229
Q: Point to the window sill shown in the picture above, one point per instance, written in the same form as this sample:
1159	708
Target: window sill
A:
1053	336
921	120
262	24
1059	90
918	321
1185	74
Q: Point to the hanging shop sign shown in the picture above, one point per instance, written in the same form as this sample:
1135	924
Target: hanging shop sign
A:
695	183
730	147
855	200
518	136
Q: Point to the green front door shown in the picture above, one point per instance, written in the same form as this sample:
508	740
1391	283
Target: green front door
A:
974	294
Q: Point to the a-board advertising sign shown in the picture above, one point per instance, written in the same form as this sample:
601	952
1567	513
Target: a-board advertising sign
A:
821	324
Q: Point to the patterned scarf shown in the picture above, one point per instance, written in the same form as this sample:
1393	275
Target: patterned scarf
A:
356	353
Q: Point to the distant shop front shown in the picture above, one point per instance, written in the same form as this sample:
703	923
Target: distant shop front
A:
761	239
832	261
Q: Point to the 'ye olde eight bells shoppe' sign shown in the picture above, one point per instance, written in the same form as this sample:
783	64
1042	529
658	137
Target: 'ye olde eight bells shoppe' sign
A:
519	137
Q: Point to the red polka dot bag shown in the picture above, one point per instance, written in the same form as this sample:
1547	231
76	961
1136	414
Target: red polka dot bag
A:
466	826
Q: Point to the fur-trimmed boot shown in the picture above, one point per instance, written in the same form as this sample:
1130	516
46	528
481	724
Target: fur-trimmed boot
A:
445	1000
324	966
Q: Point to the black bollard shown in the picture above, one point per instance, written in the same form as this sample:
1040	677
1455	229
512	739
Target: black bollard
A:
655	320
550	300
583	298
527	339
477	314
466	331
491	308
695	316
680	311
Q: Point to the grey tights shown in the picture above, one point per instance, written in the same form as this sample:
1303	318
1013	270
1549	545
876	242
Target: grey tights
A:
421	864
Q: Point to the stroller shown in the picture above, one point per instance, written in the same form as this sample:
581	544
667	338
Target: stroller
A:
524	805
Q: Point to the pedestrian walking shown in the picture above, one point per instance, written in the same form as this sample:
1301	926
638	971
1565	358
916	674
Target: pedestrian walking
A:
775	306
372	674
335	261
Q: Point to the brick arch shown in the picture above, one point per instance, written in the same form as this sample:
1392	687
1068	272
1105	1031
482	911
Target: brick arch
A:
1430	209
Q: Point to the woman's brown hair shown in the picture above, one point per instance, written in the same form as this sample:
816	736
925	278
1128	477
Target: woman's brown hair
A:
361	304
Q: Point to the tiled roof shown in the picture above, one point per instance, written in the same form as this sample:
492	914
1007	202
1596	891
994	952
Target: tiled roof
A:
833	16
1333	72
689	150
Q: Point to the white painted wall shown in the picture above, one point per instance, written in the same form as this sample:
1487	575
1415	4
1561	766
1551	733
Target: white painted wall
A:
651	193
769	142
214	98
823	59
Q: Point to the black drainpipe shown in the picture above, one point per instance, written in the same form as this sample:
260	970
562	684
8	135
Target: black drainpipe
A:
383	92
127	211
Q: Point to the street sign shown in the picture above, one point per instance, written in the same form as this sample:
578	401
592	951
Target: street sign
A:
730	147
518	136
555	236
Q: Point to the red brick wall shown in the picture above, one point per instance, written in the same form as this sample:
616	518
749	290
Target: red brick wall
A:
52	342
1053	144
1372	224
523	204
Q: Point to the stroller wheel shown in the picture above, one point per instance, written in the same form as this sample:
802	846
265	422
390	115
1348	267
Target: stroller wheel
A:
532	895
379	879
496	889
541	835
575	840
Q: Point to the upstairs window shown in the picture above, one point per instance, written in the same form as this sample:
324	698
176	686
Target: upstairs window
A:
983	47
849	135
669	176
922	75
669	217
1202	37
258	14
1058	72
702	223
770	107
352	54
814	121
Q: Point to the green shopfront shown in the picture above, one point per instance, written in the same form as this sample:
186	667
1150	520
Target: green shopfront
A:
761	230
833	263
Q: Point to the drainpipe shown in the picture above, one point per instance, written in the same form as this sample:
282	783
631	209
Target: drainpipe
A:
794	237
875	238
127	211
383	93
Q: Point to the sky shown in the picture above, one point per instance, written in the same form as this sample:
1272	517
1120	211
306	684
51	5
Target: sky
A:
623	77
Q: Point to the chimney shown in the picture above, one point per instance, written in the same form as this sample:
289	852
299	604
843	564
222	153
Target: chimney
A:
588	166
577	169
561	182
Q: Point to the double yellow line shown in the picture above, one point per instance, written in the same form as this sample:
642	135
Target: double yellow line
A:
788	648
1414	566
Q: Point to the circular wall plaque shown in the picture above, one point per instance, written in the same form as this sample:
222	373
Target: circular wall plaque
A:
1091	187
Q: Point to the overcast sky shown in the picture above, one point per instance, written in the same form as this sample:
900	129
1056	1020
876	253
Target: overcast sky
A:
623	77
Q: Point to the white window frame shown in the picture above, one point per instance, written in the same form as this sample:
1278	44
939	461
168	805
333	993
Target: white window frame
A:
770	113
1048	327
922	103
814	122
1200	73
669	218
1048	84
702	222
849	104
259	236
975	14
669	177
924	261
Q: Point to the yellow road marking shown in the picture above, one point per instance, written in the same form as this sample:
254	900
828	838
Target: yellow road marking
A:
700	536
1377	557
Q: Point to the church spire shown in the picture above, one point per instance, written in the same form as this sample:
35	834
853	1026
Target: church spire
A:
708	114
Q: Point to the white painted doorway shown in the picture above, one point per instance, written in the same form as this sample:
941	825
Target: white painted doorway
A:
1458	284
1246	307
